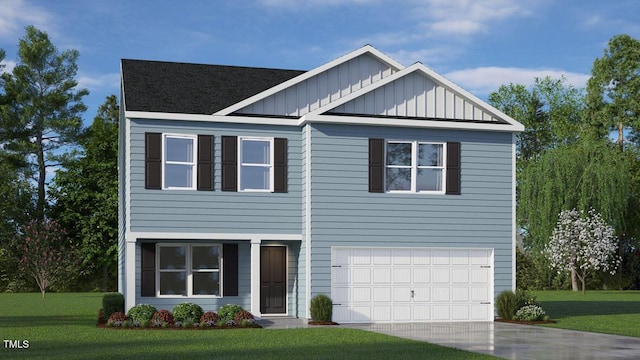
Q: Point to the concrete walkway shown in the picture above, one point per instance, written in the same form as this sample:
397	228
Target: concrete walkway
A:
504	340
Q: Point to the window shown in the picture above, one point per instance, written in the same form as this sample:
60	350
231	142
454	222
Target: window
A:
179	162
188	270
256	164
413	166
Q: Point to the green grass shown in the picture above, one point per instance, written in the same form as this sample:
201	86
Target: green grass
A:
62	326
608	312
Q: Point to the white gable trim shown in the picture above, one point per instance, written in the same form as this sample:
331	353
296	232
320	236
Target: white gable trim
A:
512	124
367	49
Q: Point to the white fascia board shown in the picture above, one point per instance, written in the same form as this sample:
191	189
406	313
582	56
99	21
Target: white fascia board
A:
255	120
414	123
302	77
211	236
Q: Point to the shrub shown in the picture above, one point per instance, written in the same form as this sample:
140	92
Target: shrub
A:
101	319
141	312
228	312
247	322
111	303
187	312
209	319
118	318
530	313
162	318
321	308
242	315
508	302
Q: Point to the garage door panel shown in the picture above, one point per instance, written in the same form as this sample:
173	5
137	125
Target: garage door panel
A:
412	284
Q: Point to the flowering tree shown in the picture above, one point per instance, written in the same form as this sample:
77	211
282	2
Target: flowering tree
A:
582	243
43	253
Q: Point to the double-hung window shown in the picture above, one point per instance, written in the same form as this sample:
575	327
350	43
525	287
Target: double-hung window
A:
188	270
179	162
413	166
256	164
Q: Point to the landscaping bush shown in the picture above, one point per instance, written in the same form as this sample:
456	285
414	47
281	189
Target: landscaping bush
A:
141	312
228	312
118	318
111	303
508	303
187	312
530	313
162	318
209	319
242	315
321	308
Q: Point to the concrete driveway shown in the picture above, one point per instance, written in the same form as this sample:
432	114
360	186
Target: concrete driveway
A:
512	341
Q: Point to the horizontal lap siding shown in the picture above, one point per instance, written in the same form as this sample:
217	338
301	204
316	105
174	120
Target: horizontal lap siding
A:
215	211
344	213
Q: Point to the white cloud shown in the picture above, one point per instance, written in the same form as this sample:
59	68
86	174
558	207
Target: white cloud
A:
483	80
101	81
8	66
16	14
295	4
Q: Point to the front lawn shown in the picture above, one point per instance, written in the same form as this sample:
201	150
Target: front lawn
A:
62	326
609	312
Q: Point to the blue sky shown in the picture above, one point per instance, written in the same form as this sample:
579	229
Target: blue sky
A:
477	44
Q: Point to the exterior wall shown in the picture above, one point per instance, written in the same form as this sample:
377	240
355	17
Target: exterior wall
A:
191	211
323	88
415	95
344	213
208	303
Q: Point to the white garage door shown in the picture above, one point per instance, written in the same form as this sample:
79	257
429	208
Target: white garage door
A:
411	284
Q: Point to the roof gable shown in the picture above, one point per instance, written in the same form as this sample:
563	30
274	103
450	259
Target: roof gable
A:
170	87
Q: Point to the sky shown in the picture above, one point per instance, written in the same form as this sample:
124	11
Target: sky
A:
478	45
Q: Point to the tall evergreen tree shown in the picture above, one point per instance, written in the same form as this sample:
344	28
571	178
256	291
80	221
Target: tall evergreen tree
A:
43	107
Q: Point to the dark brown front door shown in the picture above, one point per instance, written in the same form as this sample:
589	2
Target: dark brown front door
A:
273	280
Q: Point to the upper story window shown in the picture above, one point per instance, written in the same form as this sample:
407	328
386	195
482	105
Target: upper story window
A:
256	164
413	166
179	162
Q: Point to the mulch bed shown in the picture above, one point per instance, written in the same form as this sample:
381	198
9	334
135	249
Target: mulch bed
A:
323	323
525	322
104	326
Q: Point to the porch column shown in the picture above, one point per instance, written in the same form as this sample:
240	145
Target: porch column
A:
130	270
255	277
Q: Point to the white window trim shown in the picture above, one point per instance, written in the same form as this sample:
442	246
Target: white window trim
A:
414	167
193	164
270	166
189	270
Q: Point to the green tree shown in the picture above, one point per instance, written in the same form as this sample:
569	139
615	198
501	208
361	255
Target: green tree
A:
613	91
85	197
42	110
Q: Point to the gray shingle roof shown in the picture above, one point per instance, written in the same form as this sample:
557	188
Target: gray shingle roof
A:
172	87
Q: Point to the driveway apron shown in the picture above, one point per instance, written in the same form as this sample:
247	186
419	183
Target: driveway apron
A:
511	341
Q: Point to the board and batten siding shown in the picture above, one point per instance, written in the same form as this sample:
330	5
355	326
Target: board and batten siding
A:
415	95
191	211
208	303
323	88
345	214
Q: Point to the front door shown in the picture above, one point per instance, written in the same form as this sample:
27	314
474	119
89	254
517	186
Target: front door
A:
273	280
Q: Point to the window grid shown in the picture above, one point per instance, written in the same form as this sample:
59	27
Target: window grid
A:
188	270
415	166
191	181
268	167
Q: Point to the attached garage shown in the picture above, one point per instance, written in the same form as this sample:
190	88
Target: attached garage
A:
411	284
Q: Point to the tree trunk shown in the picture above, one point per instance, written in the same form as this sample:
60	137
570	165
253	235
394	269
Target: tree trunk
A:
574	280
621	135
42	173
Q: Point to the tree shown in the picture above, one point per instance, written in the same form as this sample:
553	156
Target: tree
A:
582	243
41	114
613	91
85	195
45	253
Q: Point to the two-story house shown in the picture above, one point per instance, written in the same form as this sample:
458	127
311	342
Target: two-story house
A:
388	188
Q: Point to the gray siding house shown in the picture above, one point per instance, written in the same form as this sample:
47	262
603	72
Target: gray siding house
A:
386	187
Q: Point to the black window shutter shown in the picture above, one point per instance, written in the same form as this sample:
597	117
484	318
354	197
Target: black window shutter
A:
148	279
205	162
376	165
229	163
280	165
453	168
153	161
230	269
